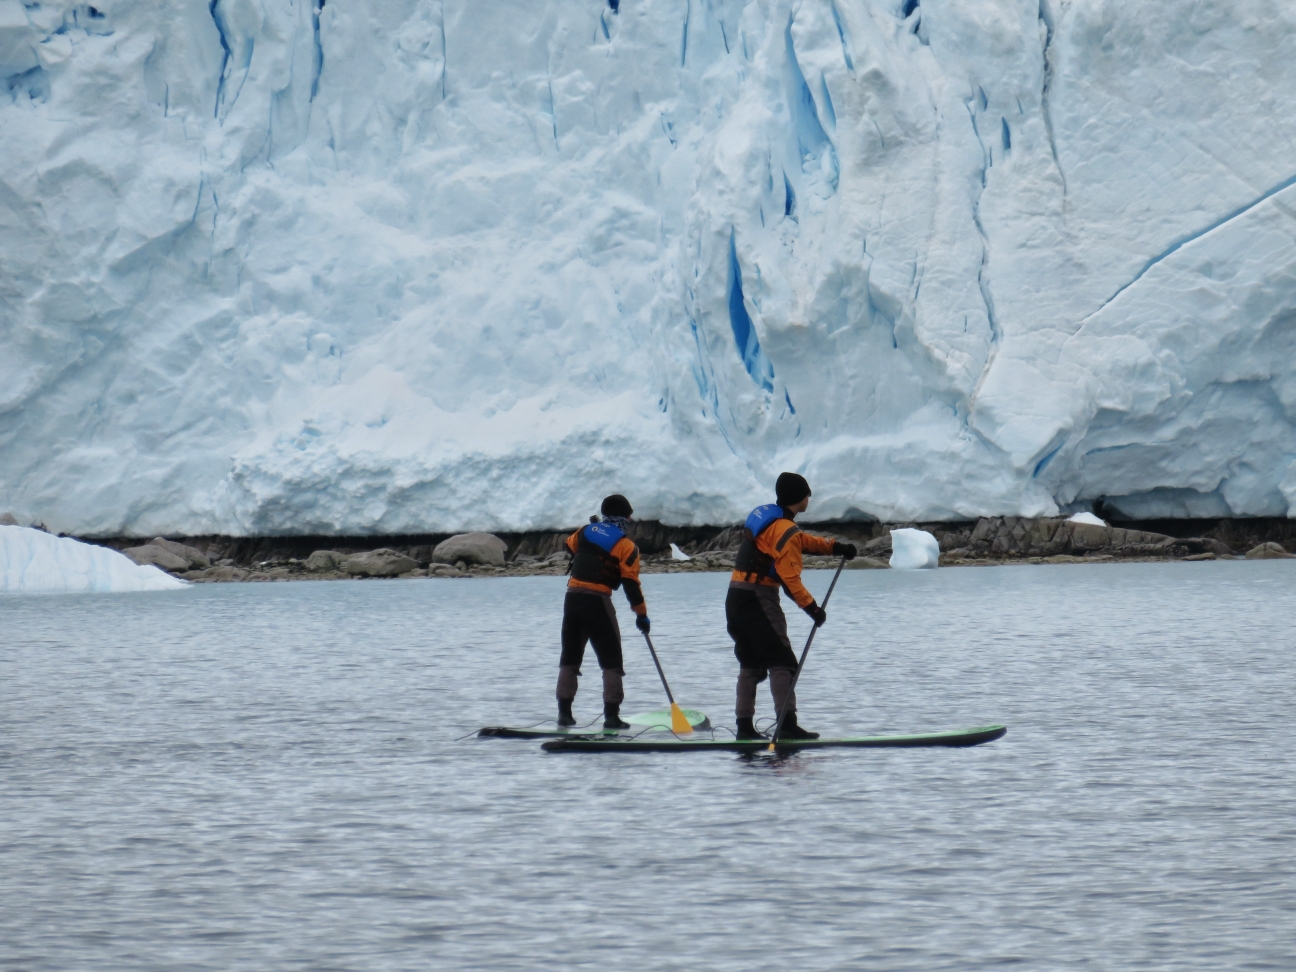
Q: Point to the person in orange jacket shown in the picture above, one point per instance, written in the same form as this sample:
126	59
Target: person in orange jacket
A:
604	558
769	558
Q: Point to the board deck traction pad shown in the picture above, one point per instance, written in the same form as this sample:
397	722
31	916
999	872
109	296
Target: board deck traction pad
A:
957	737
640	722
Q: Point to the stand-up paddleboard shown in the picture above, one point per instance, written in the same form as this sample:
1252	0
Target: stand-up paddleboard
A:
508	732
958	737
659	719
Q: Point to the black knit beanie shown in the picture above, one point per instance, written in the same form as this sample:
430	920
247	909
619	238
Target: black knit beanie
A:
616	505
791	489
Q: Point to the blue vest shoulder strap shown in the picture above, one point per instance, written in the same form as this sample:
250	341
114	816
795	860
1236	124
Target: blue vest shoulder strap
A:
603	535
761	517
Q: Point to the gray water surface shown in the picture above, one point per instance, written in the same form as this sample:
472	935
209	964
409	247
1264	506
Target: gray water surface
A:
270	777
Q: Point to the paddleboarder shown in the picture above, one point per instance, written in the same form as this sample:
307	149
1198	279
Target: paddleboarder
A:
604	558
769	558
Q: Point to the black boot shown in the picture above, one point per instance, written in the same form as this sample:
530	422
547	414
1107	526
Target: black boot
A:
612	716
565	717
791	730
747	731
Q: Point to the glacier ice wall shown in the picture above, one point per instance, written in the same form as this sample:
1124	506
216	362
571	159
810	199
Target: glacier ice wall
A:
283	266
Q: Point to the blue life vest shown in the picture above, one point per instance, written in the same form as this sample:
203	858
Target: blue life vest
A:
761	517
750	560
594	562
603	535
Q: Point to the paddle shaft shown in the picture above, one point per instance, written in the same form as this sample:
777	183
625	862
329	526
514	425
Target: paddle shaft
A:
796	676
659	668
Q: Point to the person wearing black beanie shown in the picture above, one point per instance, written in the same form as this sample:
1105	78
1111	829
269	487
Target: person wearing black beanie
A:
790	489
604	558
769	558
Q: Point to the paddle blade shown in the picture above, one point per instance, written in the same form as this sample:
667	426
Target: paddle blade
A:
679	722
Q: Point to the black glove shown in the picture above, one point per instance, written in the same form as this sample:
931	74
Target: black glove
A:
846	550
817	614
643	624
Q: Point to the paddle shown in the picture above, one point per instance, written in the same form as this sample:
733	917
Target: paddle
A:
679	722
801	664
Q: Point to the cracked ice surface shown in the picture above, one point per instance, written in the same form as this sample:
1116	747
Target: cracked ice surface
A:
35	562
417	266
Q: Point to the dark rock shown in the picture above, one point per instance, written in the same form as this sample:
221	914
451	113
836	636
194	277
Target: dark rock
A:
867	563
473	548
325	560
1267	551
150	554
382	562
217	573
195	558
879	546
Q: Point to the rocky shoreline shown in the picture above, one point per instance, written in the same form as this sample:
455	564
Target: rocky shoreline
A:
984	542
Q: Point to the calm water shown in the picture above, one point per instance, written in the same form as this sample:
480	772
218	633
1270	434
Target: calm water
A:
269	777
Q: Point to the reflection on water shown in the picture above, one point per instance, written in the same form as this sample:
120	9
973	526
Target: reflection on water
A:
269	776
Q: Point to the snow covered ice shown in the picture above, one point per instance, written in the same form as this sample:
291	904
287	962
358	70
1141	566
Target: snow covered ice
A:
440	265
1088	518
32	561
913	549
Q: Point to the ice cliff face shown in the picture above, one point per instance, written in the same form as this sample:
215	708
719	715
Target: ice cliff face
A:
417	265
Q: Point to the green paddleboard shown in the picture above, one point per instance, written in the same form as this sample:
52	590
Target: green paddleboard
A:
958	737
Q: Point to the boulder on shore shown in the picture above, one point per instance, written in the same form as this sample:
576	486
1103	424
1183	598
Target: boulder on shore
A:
322	560
472	548
1267	551
177	558
445	570
195	558
217	574
383	562
866	563
151	555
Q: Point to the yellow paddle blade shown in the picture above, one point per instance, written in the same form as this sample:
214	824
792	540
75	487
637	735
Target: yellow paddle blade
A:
679	723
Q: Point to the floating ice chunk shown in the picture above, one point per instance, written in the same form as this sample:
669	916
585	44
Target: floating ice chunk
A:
31	560
678	554
913	549
1086	518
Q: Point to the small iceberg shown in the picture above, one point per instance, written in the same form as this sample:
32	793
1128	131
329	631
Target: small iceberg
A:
32	561
913	550
1086	518
678	554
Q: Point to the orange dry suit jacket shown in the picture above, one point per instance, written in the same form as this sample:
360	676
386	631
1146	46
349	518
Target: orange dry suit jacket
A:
620	567
784	542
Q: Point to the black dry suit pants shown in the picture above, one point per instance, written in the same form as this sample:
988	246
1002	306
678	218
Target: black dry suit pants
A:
758	627
590	618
